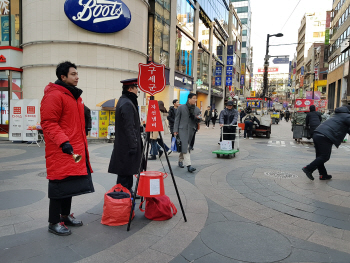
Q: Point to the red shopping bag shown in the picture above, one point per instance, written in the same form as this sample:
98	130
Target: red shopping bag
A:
116	212
159	208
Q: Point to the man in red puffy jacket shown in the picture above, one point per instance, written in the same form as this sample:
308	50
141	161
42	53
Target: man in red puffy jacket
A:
63	123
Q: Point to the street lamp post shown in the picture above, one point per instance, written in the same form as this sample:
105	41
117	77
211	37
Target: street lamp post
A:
266	63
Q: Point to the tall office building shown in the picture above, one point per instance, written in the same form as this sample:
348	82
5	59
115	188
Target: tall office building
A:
244	12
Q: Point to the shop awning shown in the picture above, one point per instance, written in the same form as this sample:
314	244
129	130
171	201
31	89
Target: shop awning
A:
108	103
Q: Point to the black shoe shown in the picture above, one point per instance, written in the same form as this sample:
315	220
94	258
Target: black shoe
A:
59	229
160	153
71	221
325	177
191	169
308	173
181	165
152	157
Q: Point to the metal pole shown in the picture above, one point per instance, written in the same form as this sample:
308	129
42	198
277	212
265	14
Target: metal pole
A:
347	94
266	65
313	86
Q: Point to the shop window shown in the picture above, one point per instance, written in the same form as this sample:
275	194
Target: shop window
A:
10	21
203	65
244	21
244	33
244	44
183	53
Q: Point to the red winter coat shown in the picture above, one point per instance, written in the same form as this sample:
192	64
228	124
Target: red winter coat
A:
62	120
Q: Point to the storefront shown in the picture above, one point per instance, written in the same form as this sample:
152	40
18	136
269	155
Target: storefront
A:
183	86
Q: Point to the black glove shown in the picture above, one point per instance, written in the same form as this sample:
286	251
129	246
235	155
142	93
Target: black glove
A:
67	148
132	151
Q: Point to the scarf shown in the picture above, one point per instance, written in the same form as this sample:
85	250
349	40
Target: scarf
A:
76	92
133	97
191	109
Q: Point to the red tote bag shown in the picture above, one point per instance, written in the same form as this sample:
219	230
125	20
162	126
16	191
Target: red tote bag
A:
116	212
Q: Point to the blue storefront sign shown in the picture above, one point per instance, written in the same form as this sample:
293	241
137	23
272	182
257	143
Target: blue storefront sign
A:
98	16
230	49
228	81
218	63
242	80
229	60
229	70
219	50
217	81
5	28
218	71
302	70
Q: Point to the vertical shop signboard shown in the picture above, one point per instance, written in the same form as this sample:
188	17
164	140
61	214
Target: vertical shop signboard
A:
94	124
103	123
112	117
31	119
16	120
5	28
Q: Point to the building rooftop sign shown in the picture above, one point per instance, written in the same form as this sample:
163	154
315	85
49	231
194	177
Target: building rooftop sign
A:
100	16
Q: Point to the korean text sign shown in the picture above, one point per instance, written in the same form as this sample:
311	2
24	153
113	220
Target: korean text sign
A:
154	120
151	78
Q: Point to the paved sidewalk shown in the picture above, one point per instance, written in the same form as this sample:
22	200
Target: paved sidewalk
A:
256	207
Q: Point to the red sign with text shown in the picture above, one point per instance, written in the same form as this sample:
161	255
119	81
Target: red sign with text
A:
301	103
154	120
151	78
17	110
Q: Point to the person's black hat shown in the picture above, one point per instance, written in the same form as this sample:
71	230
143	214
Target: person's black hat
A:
129	82
229	103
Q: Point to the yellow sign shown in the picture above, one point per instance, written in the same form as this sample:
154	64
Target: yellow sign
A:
319	84
243	68
103	123
112	117
252	93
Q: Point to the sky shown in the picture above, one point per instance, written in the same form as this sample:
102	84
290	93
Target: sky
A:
269	17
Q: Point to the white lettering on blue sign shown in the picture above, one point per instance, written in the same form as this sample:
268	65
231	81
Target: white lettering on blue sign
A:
95	15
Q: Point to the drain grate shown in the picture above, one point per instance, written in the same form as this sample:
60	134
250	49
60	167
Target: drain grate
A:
43	174
281	175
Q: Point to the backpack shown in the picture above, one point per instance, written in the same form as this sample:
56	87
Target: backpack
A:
159	208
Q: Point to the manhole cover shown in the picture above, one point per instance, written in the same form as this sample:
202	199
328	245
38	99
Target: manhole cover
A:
282	175
43	174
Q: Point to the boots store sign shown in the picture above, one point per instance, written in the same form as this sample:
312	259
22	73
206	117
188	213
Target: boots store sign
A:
100	16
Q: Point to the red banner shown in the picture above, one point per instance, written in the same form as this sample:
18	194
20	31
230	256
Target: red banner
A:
268	70
151	78
321	103
154	120
301	103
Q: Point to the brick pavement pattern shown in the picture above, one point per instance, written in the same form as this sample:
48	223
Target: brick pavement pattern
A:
256	207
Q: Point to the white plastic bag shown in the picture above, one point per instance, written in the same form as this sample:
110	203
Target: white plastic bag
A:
226	145
346	138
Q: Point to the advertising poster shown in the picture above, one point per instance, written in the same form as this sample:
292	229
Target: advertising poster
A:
16	120
302	103
5	28
94	124
4	107
143	114
103	123
30	110
112	117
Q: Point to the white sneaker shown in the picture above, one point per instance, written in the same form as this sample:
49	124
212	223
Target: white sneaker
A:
251	138
169	152
244	138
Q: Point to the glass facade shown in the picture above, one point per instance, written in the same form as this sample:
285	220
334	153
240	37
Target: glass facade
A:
203	65
216	9
11	23
185	16
183	53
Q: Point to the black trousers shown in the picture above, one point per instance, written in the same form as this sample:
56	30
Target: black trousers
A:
126	181
207	122
59	207
213	120
323	147
248	124
193	140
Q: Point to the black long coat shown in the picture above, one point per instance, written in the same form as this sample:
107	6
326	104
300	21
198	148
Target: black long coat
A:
127	137
313	119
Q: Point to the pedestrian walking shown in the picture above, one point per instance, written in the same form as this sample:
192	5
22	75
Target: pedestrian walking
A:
207	116
248	123
127	151
282	115
331	131
88	121
241	115
171	116
187	118
63	124
228	116
313	119
287	115
214	117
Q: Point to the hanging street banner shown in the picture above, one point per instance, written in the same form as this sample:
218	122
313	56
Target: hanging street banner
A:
243	68
302	103
230	50
218	81
302	70
229	70
242	80
151	79
218	71
154	120
228	81
229	60
273	69
316	73
281	60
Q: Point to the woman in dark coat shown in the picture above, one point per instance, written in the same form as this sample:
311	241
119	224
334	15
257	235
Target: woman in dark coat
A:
214	117
313	119
207	116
